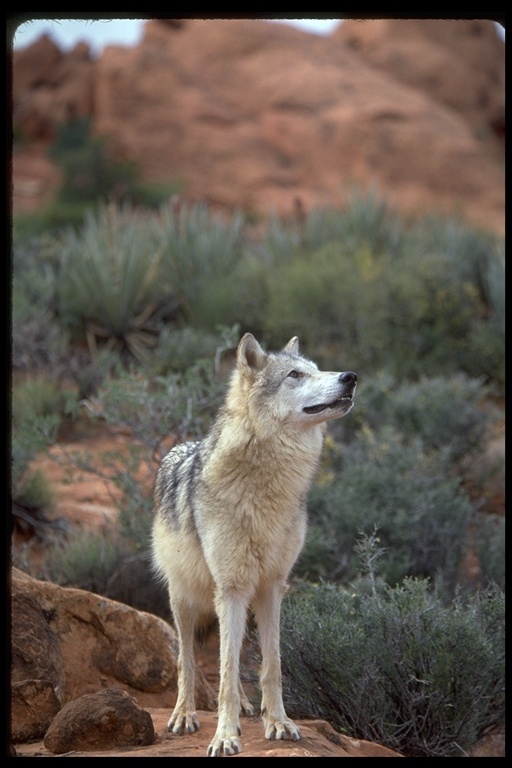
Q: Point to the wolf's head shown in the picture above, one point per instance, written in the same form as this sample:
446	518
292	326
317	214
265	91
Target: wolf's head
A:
286	388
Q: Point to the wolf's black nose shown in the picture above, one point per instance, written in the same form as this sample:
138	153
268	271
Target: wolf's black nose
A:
349	377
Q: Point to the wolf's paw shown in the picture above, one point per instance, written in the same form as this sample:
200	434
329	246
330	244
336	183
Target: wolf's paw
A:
246	708
183	722
281	729
224	746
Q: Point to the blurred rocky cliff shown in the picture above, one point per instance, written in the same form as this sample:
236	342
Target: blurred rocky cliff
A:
244	113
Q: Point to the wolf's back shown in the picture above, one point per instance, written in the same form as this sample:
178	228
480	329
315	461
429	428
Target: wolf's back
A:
176	480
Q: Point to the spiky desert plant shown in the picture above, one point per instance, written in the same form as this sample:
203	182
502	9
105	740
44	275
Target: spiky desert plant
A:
200	254
109	285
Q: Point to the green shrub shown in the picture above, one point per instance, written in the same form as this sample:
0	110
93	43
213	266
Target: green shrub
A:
84	559
454	413
109	283
475	262
490	548
34	493
364	221
423	301
327	298
179	404
92	174
396	666
38	407
181	348
107	566
407	493
200	254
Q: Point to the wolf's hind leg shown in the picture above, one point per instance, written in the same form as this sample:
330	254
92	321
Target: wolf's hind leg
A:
246	707
184	717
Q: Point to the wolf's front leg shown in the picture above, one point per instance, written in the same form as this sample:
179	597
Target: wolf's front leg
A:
232	612
184	717
267	609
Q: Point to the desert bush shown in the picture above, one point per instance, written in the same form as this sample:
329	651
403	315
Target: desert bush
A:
454	413
490	548
426	298
109	283
336	293
38	341
409	494
409	317
84	559
34	495
180	348
200	255
395	665
38	406
454	254
91	173
364	220
107	566
178	404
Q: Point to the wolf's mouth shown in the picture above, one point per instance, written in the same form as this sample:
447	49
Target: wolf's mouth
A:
324	406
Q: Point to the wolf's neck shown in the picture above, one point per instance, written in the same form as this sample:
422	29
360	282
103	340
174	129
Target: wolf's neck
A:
236	449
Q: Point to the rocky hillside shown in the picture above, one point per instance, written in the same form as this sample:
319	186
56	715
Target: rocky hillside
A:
244	113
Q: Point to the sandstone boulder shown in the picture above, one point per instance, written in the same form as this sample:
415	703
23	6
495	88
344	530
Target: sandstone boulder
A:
34	704
103	720
82	643
35	649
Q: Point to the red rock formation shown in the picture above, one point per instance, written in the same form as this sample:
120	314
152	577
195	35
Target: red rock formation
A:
248	114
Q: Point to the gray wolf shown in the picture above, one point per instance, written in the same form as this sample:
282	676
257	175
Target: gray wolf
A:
230	521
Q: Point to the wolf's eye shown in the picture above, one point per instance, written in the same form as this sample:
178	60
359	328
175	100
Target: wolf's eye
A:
294	375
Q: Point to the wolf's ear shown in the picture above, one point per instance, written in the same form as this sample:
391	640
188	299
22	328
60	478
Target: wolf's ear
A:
293	346
250	356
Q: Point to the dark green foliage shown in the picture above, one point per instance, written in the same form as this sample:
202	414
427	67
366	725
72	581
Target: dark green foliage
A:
408	494
396	666
181	348
424	300
407	315
201	253
490	548
38	406
365	221
91	176
91	173
450	413
107	566
179	404
109	284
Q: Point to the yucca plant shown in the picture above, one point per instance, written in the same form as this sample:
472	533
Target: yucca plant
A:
109	284
200	252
